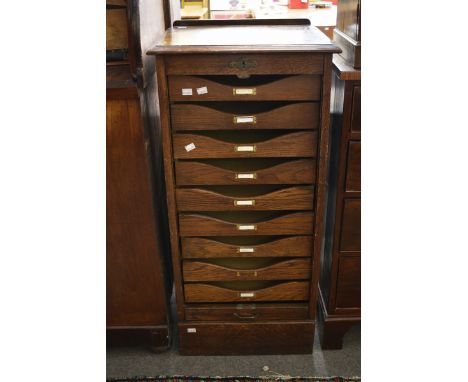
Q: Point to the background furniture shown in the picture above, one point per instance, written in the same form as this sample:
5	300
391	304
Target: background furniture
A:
138	286
340	282
244	118
347	34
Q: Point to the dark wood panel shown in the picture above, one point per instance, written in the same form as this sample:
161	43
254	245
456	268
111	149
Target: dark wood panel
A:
348	290
351	226
213	88
302	115
353	171
296	246
293	198
247	312
291	269
135	283
287	291
290	337
292	172
298	223
245	65
298	144
356	110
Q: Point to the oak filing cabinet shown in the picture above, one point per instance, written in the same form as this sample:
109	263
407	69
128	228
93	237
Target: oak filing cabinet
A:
244	117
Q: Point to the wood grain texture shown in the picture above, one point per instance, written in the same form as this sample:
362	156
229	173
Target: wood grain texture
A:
350	240
192	173
298	144
306	88
169	180
116	29
287	291
348	289
302	115
247	312
292	269
295	246
286	337
353	170
135	279
244	39
293	198
297	223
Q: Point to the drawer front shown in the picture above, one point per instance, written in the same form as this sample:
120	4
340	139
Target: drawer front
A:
244	65
193	146
350	239
353	170
293	198
247	312
201	173
230	88
291	269
302	115
199	248
289	291
210	338
348	289
299	223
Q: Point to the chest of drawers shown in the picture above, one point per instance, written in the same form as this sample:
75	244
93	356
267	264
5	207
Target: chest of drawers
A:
244	117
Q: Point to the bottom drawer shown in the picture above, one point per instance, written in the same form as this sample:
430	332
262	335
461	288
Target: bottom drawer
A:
247	291
246	312
232	338
348	289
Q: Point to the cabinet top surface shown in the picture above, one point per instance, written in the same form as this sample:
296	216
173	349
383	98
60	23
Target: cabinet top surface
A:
243	38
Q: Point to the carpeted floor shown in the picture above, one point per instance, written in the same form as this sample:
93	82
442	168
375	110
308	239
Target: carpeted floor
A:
126	362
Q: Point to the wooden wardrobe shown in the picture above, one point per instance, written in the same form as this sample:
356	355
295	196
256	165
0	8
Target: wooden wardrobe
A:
340	282
138	283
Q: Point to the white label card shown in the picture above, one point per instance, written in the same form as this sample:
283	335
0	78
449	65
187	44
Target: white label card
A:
190	147
187	92
202	90
245	148
191	330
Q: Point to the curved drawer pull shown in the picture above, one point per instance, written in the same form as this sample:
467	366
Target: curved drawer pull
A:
251	317
244	119
245	149
244	91
246	176
245	250
244	202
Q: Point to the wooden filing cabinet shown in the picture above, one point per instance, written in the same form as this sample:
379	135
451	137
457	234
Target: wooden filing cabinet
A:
340	284
244	117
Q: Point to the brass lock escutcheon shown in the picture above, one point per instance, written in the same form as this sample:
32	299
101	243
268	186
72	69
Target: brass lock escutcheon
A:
243	64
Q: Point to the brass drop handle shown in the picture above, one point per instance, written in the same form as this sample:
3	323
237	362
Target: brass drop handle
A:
251	317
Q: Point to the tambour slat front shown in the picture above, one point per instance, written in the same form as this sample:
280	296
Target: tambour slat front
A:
290	145
255	88
291	198
297	223
236	116
288	291
202	248
190	173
